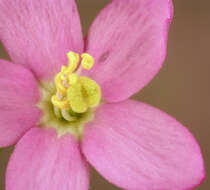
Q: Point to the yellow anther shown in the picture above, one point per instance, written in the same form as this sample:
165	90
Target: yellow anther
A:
91	90
73	78
73	62
62	104
87	61
77	101
59	84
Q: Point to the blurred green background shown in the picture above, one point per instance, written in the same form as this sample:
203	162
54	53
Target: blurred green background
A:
181	88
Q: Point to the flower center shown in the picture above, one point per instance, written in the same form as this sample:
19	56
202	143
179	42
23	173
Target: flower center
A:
69	102
75	93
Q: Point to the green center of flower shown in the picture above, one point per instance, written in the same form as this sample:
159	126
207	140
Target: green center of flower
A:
69	102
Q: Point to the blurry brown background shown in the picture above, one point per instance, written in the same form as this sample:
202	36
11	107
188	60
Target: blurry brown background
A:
181	88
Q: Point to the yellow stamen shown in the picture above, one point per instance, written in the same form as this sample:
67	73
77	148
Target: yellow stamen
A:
72	91
62	104
73	62
84	94
87	61
77	101
59	84
92	91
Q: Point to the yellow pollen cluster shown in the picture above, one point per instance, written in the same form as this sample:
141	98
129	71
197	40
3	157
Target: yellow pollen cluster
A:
74	92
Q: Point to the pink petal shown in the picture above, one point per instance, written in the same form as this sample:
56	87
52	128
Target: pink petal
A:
18	97
42	161
128	41
136	146
39	33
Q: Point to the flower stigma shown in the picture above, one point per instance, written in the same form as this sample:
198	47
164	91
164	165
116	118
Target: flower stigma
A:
71	100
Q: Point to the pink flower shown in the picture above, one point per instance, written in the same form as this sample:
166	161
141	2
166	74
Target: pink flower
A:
131	144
